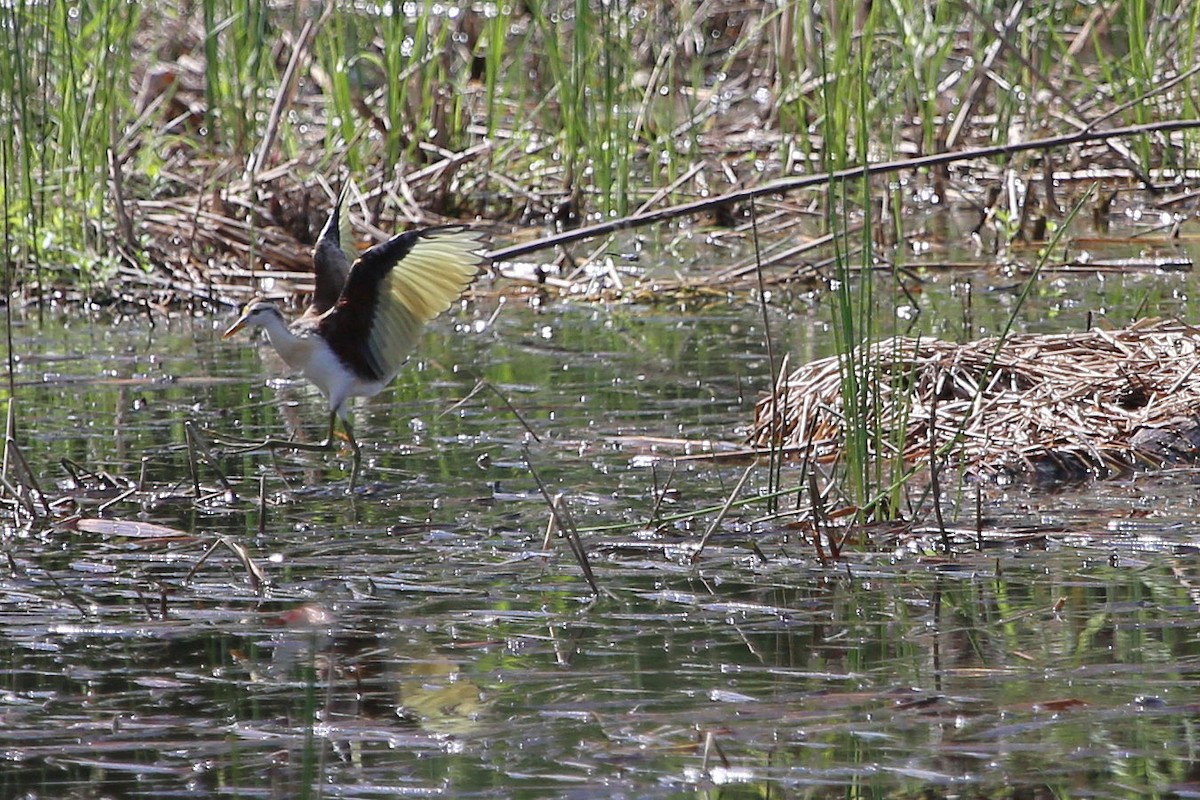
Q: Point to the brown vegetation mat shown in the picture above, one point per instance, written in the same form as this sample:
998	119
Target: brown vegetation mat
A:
226	245
1061	406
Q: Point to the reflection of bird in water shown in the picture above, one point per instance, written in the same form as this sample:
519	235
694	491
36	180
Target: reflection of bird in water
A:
434	693
408	680
367	312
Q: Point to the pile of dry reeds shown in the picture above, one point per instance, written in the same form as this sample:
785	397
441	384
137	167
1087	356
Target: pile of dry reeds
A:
1059	406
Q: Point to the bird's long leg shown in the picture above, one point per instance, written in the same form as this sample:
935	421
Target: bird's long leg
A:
332	424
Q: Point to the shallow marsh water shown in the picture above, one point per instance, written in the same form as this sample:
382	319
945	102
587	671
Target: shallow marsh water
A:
419	639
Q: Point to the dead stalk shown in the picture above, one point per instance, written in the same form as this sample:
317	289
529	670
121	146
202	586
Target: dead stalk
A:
256	577
286	92
566	524
484	383
254	573
27	475
122	497
198	448
660	496
817	500
19	496
190	434
978	516
10	429
208	551
711	746
712	528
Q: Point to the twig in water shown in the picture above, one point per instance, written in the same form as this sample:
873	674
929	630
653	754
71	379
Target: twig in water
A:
711	746
660	496
62	590
72	469
562	517
484	383
551	529
571	533
256	576
723	512
145	604
27	478
123	496
208	551
190	435
198	447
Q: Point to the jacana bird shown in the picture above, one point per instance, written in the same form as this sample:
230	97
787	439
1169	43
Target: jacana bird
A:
367	313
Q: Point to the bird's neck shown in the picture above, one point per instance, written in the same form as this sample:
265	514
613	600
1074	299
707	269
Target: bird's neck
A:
291	347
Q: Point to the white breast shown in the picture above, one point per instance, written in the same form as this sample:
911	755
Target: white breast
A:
303	350
334	379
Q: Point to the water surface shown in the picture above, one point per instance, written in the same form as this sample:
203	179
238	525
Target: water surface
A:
279	638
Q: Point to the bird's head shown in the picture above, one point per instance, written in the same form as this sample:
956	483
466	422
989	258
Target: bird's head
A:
256	314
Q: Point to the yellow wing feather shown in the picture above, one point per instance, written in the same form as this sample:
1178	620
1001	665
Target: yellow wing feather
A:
422	285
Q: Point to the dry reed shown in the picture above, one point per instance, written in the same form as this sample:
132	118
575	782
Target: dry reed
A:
1058	406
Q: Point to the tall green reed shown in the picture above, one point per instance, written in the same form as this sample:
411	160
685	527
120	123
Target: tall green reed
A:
587	64
63	80
239	70
337	52
869	471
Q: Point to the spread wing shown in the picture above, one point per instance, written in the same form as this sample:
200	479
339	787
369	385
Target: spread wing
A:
332	256
394	289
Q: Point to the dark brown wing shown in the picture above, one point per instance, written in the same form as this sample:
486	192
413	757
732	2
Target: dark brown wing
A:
394	289
332	257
